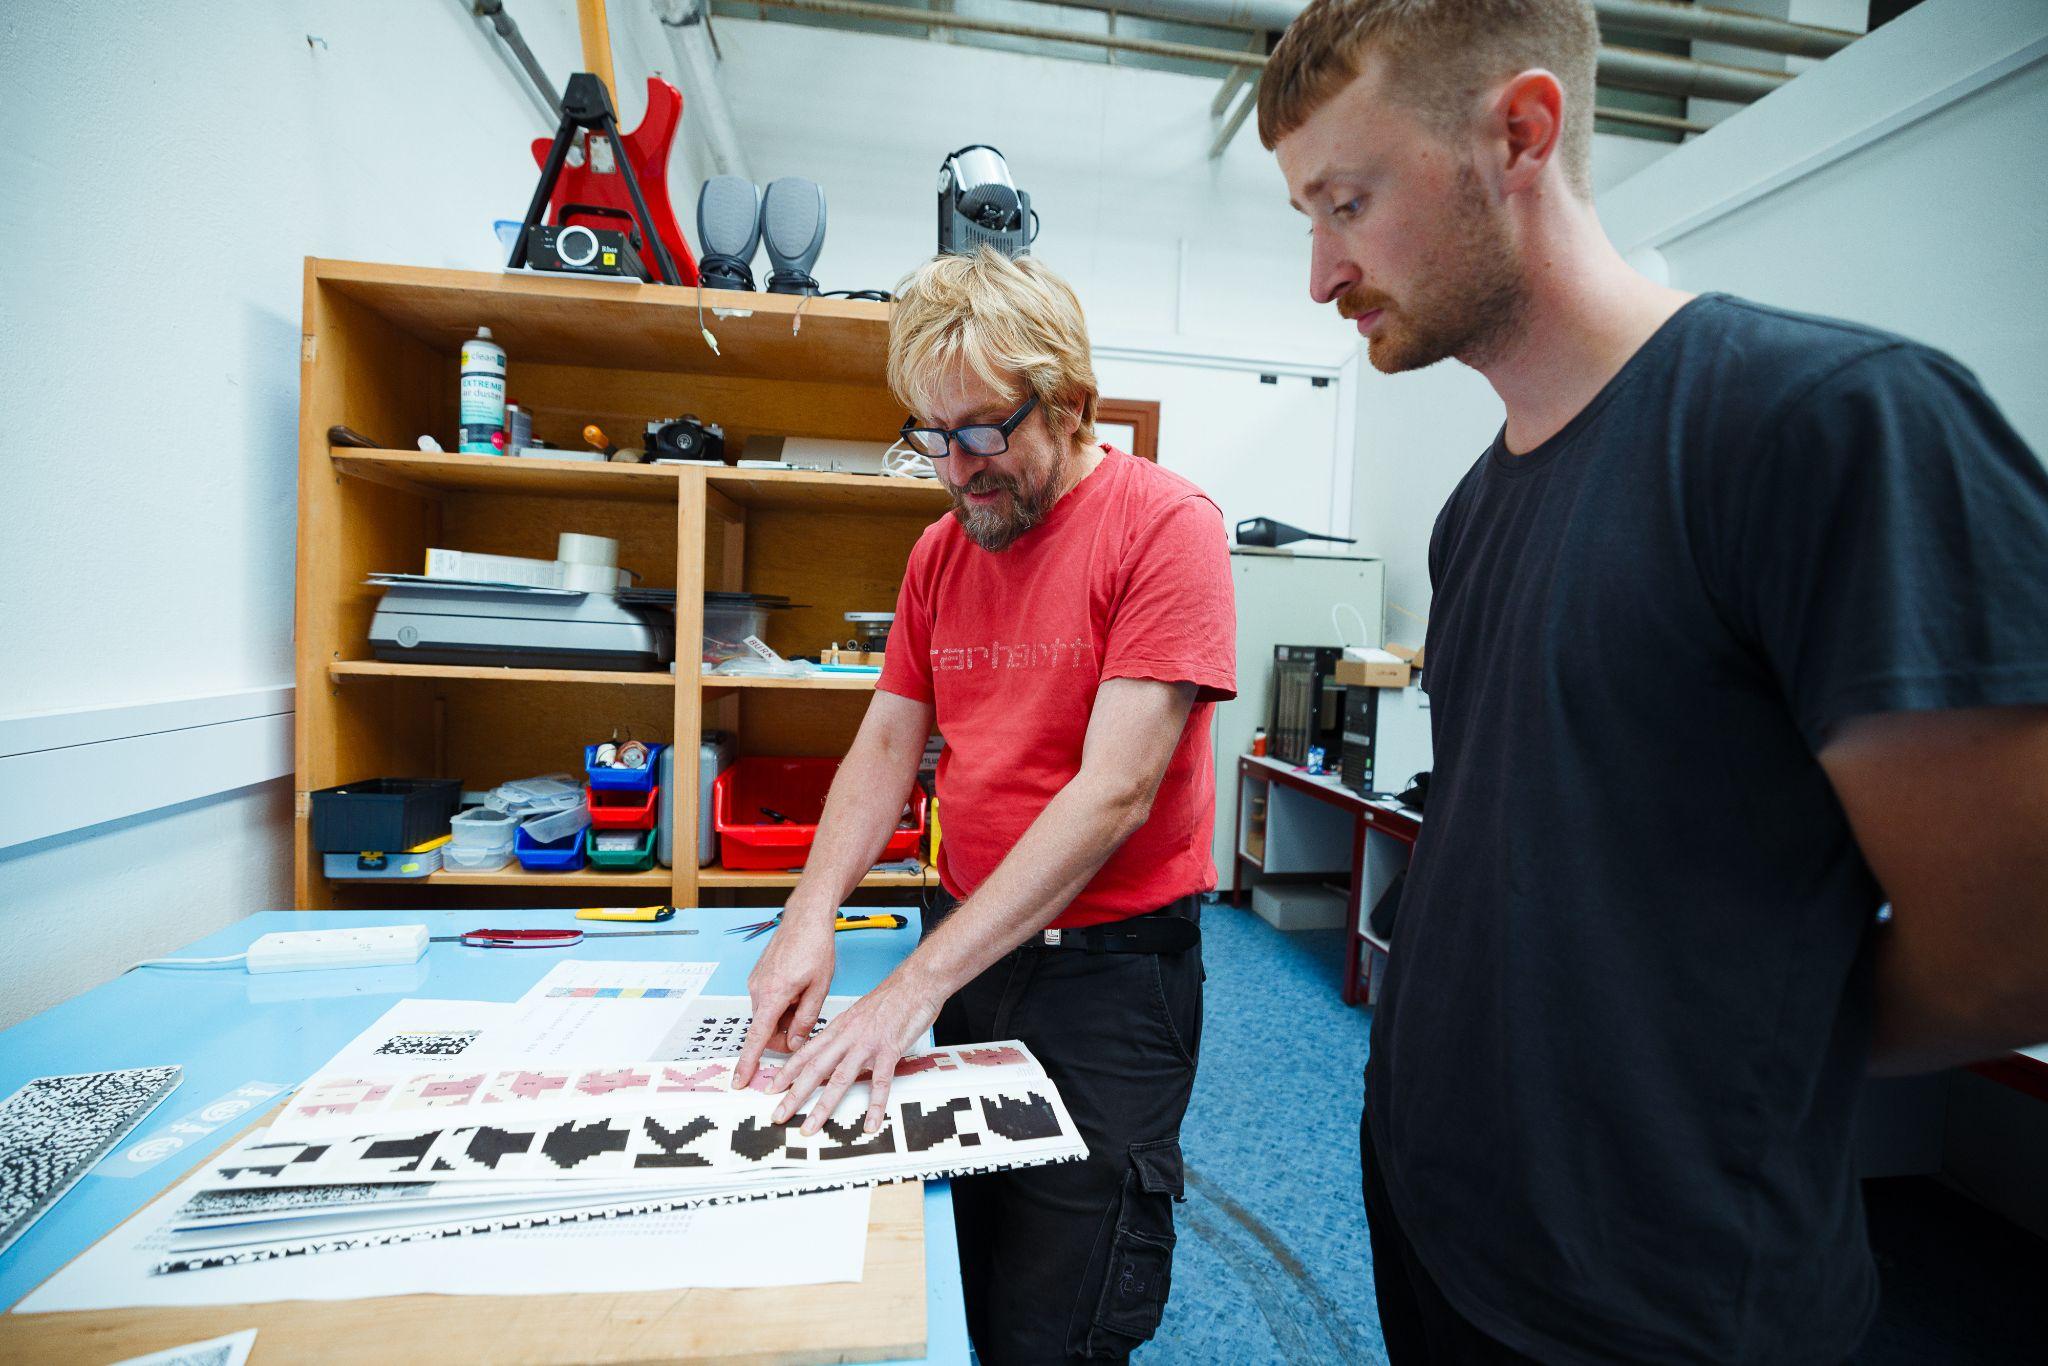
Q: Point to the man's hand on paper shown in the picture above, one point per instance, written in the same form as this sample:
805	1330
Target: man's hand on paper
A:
867	1039
787	988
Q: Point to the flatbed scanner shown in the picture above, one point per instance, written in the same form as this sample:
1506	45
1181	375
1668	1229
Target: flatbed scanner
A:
428	621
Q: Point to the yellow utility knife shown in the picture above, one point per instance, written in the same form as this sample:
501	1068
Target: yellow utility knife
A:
641	913
870	922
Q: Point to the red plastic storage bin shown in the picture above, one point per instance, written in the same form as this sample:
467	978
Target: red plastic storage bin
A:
750	839
623	810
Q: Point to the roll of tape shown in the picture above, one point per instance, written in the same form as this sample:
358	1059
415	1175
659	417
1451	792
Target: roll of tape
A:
576	548
590	578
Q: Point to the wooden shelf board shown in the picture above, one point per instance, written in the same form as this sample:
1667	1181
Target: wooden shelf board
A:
615	324
342	670
508	474
716	876
824	683
512	875
816	490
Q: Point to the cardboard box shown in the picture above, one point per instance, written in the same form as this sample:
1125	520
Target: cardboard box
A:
1373	673
1291	906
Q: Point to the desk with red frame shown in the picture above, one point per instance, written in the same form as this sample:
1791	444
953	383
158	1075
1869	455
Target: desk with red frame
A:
1377	833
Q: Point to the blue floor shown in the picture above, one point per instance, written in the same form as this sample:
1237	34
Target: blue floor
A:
1272	1263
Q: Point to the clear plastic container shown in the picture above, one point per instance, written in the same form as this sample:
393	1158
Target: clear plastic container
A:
475	860
726	627
483	827
557	827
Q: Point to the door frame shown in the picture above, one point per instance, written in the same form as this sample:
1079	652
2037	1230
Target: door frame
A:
1141	415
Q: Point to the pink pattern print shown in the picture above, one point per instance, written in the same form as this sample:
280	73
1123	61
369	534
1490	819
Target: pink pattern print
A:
602	1083
707	1078
457	1089
924	1062
533	1085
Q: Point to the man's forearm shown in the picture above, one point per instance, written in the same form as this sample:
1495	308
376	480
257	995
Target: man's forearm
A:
1929	1015
861	812
1086	822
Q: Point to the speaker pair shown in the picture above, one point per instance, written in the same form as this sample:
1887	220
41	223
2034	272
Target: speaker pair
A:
735	219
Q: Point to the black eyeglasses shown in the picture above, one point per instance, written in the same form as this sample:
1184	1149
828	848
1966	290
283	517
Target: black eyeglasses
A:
980	438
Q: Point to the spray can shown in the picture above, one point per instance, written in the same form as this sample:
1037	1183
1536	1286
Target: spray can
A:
482	409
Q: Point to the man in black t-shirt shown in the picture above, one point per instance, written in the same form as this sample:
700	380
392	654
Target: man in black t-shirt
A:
1740	631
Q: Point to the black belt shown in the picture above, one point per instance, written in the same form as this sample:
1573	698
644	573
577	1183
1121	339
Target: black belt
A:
1170	929
1174	928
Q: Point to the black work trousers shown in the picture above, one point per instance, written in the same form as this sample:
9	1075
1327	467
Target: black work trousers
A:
1073	1261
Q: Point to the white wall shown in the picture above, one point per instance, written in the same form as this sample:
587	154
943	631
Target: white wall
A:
167	168
1156	238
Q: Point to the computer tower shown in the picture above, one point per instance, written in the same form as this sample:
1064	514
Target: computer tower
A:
1386	738
1308	703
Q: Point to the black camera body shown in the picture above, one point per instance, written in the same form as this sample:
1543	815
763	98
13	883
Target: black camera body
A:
686	438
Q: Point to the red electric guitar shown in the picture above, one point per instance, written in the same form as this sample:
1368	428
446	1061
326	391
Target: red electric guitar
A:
597	182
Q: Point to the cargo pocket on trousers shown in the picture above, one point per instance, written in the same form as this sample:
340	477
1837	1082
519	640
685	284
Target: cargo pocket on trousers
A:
1140	1271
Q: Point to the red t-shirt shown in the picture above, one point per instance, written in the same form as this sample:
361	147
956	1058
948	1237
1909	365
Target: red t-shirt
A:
1127	577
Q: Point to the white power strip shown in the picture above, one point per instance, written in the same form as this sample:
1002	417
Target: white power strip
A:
371	947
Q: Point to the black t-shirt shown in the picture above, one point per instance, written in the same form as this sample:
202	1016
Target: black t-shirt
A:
1628	1006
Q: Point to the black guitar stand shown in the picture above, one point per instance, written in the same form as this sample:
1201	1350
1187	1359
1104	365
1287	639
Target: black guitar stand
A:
587	106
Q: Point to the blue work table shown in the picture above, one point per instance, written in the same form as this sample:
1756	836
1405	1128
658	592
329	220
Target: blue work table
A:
229	1029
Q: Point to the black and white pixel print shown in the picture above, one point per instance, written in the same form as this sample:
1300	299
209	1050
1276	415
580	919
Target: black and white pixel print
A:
53	1130
446	1044
212	1204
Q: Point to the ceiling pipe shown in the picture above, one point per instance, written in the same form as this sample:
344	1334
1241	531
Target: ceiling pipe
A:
892	14
494	10
1660	73
1702	24
1663	17
1656	72
860	9
1236	121
684	21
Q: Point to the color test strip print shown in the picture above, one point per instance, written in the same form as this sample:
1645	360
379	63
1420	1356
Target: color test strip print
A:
618	993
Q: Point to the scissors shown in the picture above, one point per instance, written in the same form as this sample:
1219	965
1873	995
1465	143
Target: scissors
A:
844	922
537	939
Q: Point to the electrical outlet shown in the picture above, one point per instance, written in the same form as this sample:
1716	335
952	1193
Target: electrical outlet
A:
370	947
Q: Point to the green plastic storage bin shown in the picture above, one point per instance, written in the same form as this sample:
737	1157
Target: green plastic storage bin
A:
638	859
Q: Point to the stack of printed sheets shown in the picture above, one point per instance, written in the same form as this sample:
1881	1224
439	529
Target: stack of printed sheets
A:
604	1095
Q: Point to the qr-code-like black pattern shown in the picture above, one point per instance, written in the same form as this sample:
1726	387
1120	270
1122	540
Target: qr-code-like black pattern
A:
720	1036
442	1045
53	1129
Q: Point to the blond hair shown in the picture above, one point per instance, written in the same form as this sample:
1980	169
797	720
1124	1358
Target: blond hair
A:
1440	55
1012	323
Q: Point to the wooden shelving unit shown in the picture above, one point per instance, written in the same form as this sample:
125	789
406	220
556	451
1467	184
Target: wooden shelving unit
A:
379	354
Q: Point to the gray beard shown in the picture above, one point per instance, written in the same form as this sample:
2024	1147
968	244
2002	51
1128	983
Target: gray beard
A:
996	530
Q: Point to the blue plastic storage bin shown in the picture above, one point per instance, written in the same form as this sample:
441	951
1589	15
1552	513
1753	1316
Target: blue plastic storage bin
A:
564	855
622	779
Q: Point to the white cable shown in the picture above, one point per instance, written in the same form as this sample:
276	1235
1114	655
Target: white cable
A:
901	459
185	962
1339	629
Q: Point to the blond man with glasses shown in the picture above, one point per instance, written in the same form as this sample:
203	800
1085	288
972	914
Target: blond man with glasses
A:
1068	628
